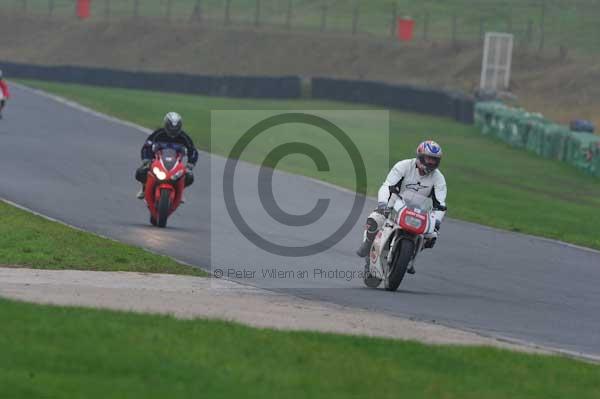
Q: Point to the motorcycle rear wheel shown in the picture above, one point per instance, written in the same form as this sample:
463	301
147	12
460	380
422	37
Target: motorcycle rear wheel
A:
164	204
402	257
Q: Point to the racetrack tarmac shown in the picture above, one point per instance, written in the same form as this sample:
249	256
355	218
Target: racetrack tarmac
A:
78	167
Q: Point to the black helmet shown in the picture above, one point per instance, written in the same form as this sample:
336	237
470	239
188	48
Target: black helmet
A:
173	124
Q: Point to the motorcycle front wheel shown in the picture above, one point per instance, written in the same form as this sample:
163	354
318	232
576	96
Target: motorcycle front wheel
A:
397	269
164	204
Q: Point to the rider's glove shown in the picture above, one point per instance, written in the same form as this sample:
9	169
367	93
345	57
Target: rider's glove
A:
383	209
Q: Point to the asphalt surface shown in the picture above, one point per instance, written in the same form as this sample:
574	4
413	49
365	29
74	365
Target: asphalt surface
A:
78	167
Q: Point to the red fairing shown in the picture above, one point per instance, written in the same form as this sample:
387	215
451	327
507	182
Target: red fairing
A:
413	222
4	88
154	186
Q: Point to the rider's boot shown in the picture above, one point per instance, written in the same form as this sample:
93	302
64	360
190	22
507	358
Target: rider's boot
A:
142	193
430	240
365	247
367	266
189	180
369	236
411	266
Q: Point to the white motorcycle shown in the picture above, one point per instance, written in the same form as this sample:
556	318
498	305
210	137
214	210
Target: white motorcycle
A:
410	222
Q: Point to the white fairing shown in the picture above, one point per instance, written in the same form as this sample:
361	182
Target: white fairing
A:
383	236
379	255
430	232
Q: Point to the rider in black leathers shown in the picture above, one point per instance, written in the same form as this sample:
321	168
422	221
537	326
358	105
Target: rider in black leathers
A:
170	133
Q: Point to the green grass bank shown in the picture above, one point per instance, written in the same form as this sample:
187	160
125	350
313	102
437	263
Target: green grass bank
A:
57	352
28	240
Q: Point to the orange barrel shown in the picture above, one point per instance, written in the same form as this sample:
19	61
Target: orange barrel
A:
406	27
83	9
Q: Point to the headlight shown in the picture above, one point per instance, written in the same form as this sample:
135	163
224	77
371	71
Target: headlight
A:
160	175
413	221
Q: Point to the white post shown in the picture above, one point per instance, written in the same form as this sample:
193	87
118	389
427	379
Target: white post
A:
497	58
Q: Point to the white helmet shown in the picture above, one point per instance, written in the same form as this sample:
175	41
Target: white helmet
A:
173	124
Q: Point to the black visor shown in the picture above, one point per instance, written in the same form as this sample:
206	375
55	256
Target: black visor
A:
173	130
429	163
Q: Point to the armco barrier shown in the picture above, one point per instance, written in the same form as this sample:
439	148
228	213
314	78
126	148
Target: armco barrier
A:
403	97
454	105
534	133
227	86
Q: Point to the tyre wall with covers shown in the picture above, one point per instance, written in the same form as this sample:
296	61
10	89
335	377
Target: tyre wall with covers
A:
536	134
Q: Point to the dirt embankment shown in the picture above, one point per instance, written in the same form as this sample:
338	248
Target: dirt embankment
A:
561	89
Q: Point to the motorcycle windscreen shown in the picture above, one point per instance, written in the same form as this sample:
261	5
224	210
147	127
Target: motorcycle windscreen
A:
415	200
169	158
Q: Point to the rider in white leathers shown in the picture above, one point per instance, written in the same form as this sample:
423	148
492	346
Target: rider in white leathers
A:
421	175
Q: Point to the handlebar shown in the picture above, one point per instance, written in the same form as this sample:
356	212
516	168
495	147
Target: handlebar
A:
174	146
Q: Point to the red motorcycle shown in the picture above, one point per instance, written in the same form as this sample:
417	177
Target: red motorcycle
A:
165	182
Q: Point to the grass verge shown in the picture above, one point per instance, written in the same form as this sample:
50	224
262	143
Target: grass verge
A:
56	352
32	241
489	182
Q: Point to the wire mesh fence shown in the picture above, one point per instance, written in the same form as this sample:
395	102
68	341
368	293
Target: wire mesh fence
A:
537	24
